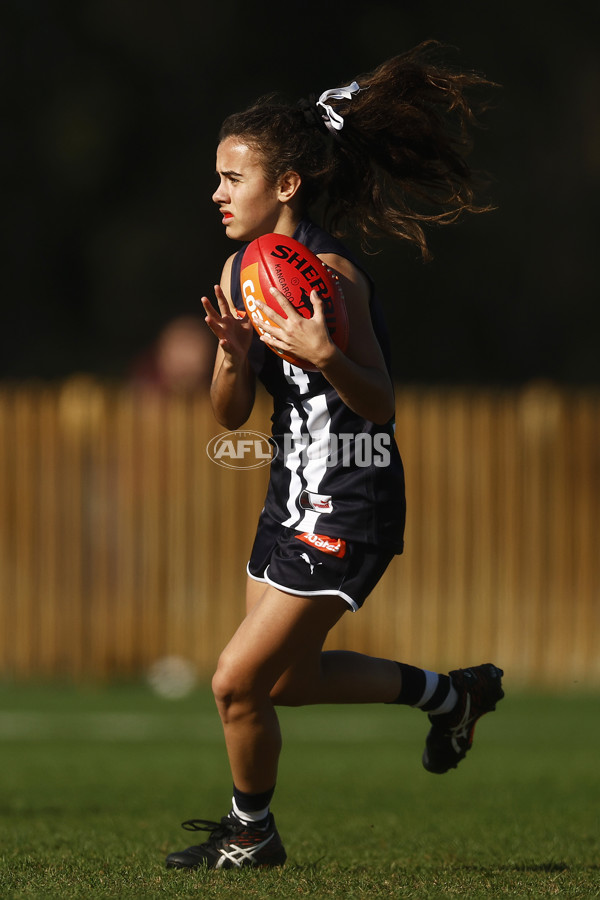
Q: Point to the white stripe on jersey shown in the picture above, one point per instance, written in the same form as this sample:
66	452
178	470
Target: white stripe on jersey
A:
311	448
291	461
318	425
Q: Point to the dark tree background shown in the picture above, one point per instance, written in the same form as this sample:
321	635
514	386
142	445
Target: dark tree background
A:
110	110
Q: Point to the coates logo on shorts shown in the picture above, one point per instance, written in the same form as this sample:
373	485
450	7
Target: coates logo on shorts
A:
241	450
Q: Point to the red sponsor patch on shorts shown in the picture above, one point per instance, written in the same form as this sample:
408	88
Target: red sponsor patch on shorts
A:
335	546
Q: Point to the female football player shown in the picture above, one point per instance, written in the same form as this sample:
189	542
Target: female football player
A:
387	155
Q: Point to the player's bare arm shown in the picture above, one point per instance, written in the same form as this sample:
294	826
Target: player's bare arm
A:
233	385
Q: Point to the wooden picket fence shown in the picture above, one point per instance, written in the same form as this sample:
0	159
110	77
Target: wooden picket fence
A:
122	542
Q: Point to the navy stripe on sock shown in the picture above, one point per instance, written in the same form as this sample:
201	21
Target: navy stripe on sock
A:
439	695
252	802
414	682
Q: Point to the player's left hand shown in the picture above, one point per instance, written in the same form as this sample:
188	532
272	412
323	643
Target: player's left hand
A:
307	339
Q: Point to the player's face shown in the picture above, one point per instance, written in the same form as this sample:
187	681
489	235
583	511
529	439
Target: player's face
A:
248	202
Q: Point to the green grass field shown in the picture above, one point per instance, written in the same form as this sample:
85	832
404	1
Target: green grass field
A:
95	783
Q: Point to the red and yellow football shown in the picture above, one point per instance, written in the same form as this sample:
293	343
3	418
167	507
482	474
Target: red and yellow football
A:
274	260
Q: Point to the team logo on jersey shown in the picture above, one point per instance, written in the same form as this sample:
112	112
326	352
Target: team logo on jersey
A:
334	546
319	502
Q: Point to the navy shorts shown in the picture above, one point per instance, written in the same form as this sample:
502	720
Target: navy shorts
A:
310	565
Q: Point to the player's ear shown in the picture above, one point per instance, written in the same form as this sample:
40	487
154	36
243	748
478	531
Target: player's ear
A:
289	185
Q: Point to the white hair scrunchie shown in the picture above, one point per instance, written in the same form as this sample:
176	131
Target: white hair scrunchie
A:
333	121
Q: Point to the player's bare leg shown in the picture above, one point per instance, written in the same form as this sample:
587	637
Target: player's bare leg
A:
331	676
275	633
276	657
281	634
454	702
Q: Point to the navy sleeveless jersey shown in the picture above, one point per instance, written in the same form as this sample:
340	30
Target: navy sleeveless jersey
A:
333	472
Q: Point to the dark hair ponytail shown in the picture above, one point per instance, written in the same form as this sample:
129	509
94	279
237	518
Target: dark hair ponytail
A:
400	161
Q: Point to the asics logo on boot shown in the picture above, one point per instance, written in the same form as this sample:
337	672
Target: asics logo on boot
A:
240	856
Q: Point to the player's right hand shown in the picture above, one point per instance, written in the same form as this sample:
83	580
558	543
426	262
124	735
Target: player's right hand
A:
232	329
